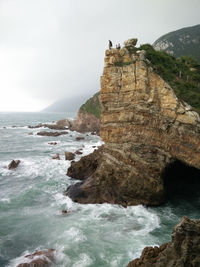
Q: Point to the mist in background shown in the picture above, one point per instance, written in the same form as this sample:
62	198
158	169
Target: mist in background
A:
55	49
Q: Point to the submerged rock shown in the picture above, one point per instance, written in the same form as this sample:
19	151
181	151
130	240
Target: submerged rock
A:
52	143
59	125
44	133
13	164
80	138
64	212
43	258
57	156
182	251
145	128
78	152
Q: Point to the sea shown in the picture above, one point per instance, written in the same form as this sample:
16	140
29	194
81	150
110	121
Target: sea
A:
32	200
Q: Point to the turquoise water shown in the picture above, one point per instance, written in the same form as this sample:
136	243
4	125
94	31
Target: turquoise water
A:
31	201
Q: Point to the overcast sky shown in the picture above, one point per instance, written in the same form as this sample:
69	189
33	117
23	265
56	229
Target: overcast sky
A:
51	49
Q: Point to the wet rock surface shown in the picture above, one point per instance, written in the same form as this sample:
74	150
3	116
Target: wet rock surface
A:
43	258
86	166
13	164
182	251
145	128
44	133
69	156
59	125
79	138
57	156
52	143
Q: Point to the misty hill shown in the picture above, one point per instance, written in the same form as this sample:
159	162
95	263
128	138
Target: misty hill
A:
183	42
67	104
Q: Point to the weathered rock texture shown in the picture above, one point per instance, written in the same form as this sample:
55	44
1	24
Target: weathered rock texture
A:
182	251
13	164
145	127
43	258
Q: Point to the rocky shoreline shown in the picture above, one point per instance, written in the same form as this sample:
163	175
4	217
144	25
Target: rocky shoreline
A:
182	251
148	132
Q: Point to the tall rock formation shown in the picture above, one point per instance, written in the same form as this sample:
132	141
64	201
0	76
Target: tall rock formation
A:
145	128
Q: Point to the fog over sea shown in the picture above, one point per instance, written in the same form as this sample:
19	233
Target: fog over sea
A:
31	201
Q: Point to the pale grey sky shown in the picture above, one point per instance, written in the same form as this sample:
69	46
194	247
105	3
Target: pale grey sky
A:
51	49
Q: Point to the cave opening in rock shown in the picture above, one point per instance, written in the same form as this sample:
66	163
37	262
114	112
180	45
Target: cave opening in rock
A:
181	181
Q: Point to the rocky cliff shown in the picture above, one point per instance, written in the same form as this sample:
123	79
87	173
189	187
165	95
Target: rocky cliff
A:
145	127
182	251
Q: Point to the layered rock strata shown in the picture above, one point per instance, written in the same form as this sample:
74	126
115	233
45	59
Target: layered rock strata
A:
182	251
145	127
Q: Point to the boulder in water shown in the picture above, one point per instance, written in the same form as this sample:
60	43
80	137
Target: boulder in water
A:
44	133
69	156
78	152
13	164
52	143
79	138
57	156
43	258
64	212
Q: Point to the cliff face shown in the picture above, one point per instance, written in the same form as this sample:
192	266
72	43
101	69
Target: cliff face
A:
182	251
145	127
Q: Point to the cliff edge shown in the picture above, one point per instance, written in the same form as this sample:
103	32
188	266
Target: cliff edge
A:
145	127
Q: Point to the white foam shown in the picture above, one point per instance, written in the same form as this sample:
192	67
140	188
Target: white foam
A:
116	262
20	259
60	199
7	200
73	234
84	261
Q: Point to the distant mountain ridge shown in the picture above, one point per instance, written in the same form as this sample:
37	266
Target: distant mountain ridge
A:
183	42
67	104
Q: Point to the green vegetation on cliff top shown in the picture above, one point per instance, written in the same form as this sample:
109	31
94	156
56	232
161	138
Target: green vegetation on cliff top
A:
92	106
182	74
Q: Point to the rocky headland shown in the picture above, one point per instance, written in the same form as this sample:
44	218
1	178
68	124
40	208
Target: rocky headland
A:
146	130
88	117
